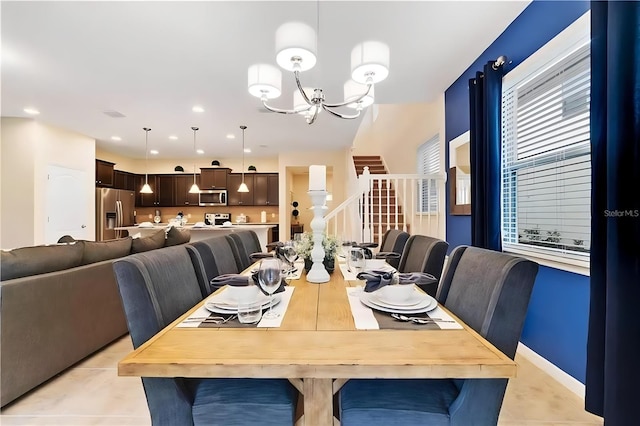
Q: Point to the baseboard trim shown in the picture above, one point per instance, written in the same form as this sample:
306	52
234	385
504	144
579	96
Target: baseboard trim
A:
556	373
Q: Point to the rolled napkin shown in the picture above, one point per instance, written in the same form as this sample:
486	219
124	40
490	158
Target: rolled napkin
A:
376	279
240	280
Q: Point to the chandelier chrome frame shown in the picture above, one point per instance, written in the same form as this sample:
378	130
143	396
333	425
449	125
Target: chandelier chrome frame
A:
296	44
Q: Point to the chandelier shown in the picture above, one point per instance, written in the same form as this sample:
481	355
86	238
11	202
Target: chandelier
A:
296	44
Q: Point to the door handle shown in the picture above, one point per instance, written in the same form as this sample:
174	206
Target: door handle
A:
83	226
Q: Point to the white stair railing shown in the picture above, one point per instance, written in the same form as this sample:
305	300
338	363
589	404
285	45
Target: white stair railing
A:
391	201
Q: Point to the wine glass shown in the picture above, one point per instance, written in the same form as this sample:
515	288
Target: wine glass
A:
357	259
269	275
290	254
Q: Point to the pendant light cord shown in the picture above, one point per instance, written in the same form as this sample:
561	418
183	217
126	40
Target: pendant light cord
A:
195	129
146	154
243	129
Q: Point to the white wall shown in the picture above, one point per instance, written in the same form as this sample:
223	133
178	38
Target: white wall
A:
28	147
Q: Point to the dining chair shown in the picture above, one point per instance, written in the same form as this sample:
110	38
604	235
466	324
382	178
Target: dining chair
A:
157	287
393	242
422	253
246	248
490	292
211	257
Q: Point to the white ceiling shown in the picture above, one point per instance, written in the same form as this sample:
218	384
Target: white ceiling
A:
153	61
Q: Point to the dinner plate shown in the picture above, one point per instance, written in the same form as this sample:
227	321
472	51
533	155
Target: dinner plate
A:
211	305
427	305
415	299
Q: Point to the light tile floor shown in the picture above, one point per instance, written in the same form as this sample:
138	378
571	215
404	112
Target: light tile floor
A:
91	393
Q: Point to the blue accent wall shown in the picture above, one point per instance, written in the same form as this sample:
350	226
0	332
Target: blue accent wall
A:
556	323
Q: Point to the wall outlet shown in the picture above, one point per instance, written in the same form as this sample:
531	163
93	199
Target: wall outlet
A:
273	215
150	216
188	215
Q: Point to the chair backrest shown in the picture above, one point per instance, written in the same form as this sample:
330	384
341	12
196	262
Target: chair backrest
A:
244	243
394	241
156	287
424	254
490	292
211	257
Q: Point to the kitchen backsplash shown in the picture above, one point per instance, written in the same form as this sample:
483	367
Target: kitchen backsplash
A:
145	214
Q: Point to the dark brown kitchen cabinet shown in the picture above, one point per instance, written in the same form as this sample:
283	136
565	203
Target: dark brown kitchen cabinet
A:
235	198
183	184
104	173
266	189
211	178
124	180
163	191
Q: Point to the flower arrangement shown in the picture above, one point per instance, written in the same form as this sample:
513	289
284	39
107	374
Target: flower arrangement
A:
305	245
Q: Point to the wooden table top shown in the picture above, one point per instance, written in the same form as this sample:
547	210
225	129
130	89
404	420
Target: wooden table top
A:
317	339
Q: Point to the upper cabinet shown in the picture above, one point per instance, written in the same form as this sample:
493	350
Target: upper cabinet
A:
235	198
104	173
124	180
213	178
266	189
182	196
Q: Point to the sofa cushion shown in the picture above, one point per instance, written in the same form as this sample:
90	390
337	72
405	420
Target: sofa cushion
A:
151	242
96	251
66	239
27	261
177	236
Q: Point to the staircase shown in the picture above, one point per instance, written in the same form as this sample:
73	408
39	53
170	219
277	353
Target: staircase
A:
383	209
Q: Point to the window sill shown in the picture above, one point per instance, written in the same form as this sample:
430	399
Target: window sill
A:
568	265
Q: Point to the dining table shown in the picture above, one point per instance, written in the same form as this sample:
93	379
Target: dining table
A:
318	348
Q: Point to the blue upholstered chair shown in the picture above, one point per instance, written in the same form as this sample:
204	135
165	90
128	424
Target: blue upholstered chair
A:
490	292
158	286
424	254
211	257
393	242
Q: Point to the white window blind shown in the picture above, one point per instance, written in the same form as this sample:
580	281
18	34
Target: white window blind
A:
428	163
546	161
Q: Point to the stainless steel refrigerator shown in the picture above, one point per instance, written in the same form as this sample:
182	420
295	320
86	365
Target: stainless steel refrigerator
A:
114	208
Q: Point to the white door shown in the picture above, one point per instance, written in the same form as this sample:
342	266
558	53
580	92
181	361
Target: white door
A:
68	204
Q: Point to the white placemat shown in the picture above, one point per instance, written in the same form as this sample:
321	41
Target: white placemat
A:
280	308
349	276
362	315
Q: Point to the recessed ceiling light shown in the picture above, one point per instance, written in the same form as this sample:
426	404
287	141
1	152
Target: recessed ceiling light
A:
154	152
200	151
247	150
116	138
173	137
32	111
197	108
231	136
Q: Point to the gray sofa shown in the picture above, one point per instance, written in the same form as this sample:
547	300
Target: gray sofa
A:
59	304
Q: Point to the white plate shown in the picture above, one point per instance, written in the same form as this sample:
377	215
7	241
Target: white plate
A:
226	226
415	299
427	305
229	309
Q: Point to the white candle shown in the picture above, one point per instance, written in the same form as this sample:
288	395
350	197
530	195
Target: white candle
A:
317	178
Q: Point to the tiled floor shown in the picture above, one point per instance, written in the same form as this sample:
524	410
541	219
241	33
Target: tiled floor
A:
91	393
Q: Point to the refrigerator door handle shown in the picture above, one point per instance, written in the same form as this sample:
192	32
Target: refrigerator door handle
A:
118	217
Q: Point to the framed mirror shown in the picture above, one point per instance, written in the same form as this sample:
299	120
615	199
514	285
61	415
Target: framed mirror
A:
460	175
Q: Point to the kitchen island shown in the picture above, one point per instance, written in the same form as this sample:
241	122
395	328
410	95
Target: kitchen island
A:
262	230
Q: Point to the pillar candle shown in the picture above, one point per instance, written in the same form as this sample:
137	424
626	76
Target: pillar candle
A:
317	178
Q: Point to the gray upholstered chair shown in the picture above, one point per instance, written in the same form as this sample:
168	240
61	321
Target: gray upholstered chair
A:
490	292
393	242
158	286
424	254
246	248
211	257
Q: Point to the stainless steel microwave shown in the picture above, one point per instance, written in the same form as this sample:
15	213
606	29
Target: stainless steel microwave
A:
213	197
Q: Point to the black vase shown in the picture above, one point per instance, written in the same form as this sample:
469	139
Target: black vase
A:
329	265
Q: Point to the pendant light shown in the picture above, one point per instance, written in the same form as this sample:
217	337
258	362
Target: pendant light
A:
146	189
194	188
243	186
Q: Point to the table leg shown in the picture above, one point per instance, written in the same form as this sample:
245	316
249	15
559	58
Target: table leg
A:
318	402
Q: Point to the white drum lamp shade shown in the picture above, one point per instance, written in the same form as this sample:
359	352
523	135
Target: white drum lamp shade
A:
370	60
353	91
295	39
264	80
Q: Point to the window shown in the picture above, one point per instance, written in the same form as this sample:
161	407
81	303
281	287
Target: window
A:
546	161
428	163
